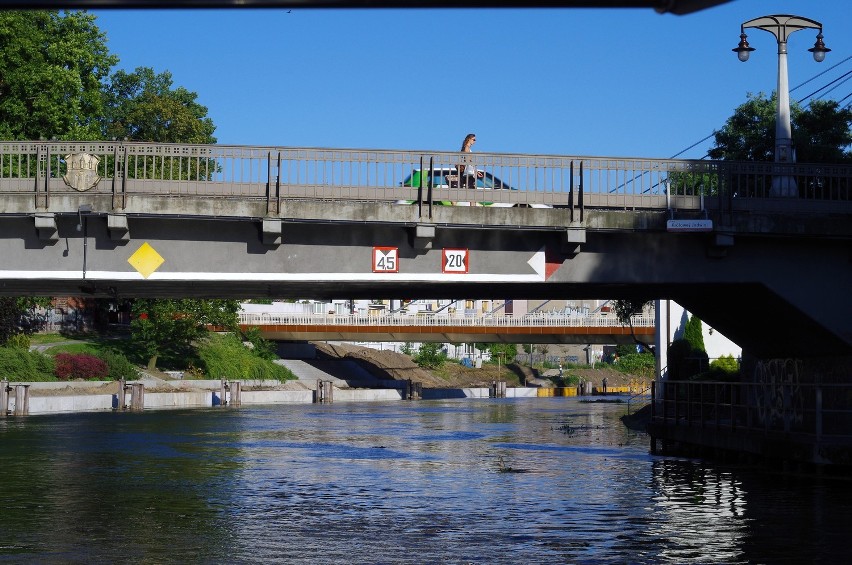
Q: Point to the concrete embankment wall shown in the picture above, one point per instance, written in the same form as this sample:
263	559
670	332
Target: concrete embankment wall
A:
204	394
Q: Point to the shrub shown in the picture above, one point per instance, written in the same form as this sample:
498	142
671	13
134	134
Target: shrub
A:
225	357
18	364
80	366
639	364
726	364
119	367
21	341
263	348
430	356
684	360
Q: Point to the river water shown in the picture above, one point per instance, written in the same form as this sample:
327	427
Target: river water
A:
540	480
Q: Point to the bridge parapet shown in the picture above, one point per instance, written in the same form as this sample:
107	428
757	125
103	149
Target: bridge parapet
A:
426	320
256	182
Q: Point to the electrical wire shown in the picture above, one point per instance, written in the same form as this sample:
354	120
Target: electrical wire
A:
843	78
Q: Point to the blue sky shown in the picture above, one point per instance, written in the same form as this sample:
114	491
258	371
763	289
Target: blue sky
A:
587	82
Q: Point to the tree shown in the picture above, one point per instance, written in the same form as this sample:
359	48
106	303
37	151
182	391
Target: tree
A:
625	310
502	352
822	132
143	106
693	333
430	356
52	68
167	328
687	356
18	317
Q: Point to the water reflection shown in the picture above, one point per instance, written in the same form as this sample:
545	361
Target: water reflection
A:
421	482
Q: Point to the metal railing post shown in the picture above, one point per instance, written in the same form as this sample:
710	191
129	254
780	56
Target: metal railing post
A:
818	413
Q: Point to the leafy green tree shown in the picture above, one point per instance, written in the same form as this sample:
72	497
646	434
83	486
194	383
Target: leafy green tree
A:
822	133
430	356
693	332
52	68
18	316
504	352
168	328
687	356
144	106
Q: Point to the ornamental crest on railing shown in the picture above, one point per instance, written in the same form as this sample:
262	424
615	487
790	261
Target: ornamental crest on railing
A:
82	173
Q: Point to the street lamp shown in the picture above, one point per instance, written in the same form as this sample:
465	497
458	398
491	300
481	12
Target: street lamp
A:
781	26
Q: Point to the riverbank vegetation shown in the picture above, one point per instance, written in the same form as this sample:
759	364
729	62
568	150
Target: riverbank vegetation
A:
55	357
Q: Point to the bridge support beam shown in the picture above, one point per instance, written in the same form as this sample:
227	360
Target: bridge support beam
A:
118	228
719	245
422	236
574	237
46	226
271	231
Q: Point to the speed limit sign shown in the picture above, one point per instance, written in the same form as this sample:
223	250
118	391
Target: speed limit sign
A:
455	261
385	260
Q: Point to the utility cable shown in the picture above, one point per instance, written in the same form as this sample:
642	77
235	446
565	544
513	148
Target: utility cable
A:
842	78
816	76
791	90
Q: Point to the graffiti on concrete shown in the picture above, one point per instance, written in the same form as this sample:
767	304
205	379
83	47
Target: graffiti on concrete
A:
778	393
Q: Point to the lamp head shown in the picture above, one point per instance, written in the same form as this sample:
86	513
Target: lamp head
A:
743	50
819	49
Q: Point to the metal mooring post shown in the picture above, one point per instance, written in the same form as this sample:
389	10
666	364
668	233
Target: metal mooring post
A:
325	392
236	389
22	400
4	398
223	393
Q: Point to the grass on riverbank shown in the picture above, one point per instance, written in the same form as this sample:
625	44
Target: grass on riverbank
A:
217	356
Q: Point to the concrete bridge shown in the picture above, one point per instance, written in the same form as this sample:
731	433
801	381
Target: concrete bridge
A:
149	220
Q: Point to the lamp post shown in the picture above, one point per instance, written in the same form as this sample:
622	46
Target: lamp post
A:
781	26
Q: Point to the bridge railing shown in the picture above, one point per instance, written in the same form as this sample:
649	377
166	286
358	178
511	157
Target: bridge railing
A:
279	173
426	320
822	410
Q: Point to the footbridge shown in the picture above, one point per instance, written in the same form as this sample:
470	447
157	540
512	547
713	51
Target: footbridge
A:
599	329
759	251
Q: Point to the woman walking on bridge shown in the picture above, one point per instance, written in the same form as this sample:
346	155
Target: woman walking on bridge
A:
467	169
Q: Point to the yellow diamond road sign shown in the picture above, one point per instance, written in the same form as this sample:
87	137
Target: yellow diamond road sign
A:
146	260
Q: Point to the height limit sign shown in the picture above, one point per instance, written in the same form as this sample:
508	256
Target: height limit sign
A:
455	261
385	260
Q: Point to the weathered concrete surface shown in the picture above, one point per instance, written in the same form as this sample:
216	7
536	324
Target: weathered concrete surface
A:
53	404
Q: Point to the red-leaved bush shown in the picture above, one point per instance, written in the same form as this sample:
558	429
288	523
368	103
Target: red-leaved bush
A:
71	366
